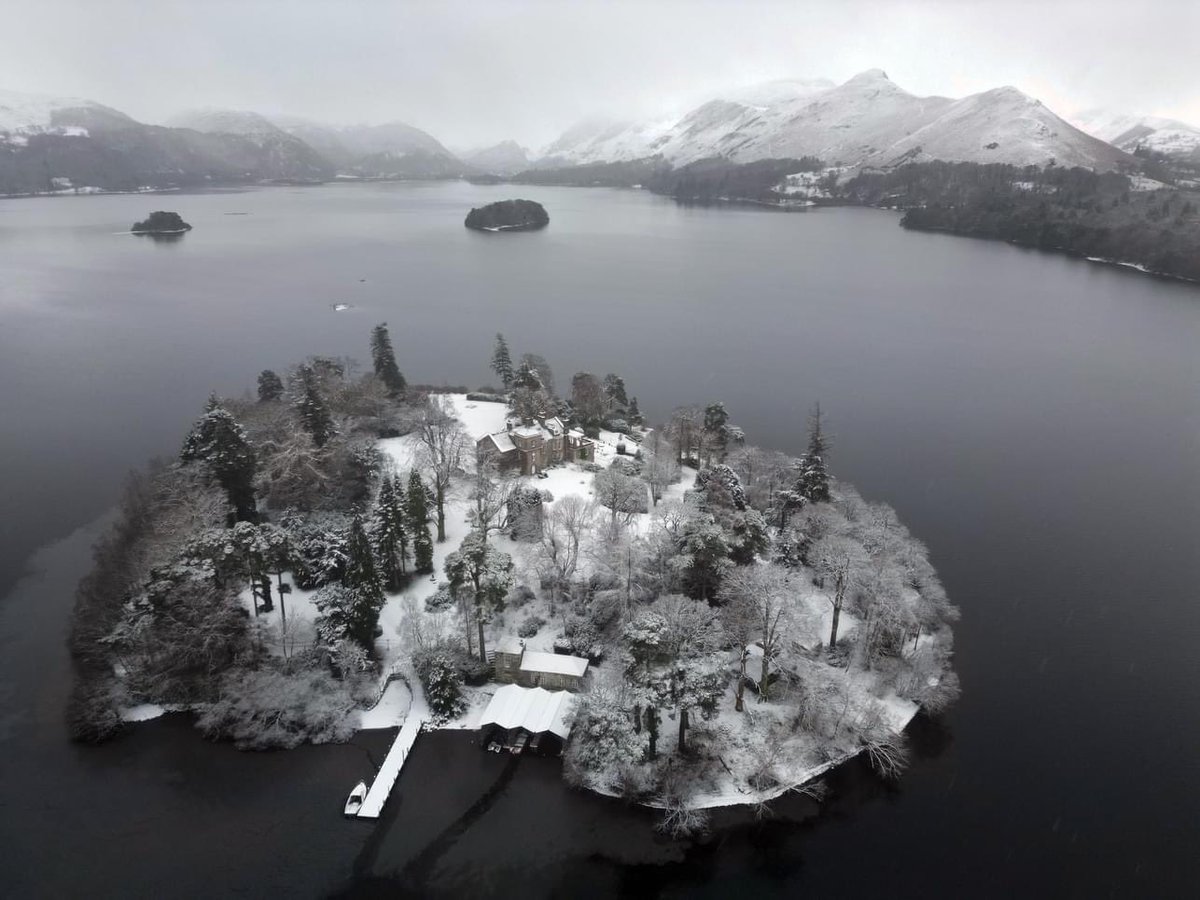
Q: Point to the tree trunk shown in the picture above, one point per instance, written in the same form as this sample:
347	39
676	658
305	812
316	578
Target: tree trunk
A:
837	612
652	730
482	648
739	701
637	718
683	724
764	686
440	495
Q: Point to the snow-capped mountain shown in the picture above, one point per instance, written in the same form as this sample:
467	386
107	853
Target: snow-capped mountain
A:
868	120
505	158
390	150
29	114
224	121
1128	132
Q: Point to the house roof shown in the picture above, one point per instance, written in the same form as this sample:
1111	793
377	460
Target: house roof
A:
510	644
555	663
534	709
528	431
501	441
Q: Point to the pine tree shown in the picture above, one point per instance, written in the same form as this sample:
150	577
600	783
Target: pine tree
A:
218	441
614	391
812	482
314	414
384	359
502	362
361	580
269	386
389	534
635	414
416	508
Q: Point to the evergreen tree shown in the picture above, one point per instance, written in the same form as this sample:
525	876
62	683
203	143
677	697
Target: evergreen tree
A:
812	482
310	406
416	509
218	441
527	377
384	359
352	610
389	533
635	414
270	387
486	573
614	391
502	362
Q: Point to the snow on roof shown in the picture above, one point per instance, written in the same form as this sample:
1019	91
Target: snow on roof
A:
534	709
554	425
556	663
502	441
510	644
528	430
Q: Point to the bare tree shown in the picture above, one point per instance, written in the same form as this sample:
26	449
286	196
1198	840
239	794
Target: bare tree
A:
444	444
759	606
624	495
840	562
660	468
490	492
564	531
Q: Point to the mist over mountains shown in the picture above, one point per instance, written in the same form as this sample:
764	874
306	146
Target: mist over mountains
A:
50	144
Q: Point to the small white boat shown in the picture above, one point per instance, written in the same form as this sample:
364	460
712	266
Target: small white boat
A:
338	307
355	801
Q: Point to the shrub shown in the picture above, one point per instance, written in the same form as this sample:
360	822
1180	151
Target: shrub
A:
269	709
530	626
92	713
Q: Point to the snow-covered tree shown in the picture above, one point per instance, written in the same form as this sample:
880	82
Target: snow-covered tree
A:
703	557
623	495
842	564
562	537
490	494
587	398
389	534
485	573
383	358
614	392
660	468
351	609
538	365
502	363
416	517
444	445
812	477
759	606
270	386
311	408
220	443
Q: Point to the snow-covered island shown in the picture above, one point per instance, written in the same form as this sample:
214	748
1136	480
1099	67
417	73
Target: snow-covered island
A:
689	620
508	215
161	222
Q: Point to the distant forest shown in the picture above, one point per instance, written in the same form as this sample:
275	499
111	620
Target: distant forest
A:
1074	211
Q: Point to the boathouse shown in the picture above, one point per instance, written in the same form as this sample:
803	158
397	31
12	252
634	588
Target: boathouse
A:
520	718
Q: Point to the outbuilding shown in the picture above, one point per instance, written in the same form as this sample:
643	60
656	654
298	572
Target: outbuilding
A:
532	719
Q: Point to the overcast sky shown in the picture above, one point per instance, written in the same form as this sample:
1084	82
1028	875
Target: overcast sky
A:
475	73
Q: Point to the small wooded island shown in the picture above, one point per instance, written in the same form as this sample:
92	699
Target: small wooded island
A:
508	215
688	620
161	222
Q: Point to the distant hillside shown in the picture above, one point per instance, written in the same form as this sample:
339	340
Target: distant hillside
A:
867	121
391	150
59	144
1167	136
505	158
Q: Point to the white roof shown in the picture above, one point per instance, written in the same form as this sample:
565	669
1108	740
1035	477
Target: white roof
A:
528	430
503	442
557	663
510	644
534	709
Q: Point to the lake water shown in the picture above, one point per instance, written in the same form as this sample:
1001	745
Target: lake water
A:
1034	419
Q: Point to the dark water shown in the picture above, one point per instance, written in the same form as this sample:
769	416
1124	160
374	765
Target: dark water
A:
1036	420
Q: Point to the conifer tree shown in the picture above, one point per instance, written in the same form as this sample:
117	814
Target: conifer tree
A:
218	441
270	387
502	362
417	515
389	533
812	482
635	414
310	406
384	359
352	610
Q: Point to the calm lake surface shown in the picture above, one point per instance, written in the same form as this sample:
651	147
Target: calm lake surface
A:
1034	419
